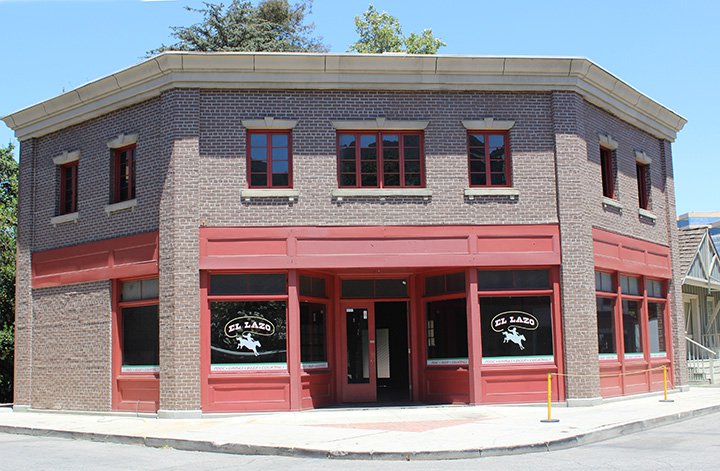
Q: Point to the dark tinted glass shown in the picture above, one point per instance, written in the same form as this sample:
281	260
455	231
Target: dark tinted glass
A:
140	336
490	280
385	288
248	284
312	332
443	284
248	332
516	339
358	289
606	325
380	288
447	329
312	286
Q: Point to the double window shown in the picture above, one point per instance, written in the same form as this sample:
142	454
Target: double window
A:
68	187
488	159
381	160
123	174
269	160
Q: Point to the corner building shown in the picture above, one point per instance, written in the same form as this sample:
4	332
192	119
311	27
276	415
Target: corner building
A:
236	232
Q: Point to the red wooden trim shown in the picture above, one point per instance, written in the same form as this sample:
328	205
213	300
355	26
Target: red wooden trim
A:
615	252
416	337
379	247
488	174
204	341
268	157
474	337
133	256
293	341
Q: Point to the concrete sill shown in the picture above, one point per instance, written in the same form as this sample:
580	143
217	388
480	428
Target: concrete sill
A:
644	213
611	203
381	192
64	218
250	193
120	206
471	193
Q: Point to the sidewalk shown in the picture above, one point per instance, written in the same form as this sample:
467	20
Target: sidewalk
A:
399	433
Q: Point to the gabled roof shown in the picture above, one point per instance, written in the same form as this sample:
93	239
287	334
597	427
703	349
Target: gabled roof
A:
699	259
307	71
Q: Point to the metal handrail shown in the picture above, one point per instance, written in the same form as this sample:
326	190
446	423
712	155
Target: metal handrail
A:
701	346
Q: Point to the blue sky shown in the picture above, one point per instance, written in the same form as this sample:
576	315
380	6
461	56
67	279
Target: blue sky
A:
668	50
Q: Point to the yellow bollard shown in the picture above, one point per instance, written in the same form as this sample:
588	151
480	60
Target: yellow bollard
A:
549	401
664	368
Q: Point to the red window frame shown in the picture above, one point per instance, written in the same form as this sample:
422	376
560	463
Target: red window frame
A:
380	169
68	199
268	158
607	172
127	176
507	160
643	187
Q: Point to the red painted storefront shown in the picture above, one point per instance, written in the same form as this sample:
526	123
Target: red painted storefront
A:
340	255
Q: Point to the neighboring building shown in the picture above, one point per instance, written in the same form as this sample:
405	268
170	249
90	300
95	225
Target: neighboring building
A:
238	231
700	268
710	220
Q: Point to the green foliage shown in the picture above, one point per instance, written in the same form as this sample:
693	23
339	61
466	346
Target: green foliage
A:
8	223
272	25
381	32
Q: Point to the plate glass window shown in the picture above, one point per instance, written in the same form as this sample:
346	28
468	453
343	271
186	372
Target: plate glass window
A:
139	325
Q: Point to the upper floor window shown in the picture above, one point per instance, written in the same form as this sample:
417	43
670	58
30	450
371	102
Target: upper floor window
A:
123	174
607	168
488	158
68	187
643	176
381	160
269	160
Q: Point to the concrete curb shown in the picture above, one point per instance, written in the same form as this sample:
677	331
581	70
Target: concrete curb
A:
594	436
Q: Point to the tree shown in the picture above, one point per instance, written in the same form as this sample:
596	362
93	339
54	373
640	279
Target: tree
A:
381	32
272	25
8	223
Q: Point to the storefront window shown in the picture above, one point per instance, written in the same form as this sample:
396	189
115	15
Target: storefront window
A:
378	288
248	334
140	346
447	339
516	328
656	329
606	327
630	285
632	338
445	284
139	325
312	335
256	283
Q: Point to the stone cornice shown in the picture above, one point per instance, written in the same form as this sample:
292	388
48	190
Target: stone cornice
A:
380	124
347	72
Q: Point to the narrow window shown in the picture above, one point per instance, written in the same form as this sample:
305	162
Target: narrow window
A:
643	175
381	160
139	326
124	174
607	168
269	161
488	159
68	188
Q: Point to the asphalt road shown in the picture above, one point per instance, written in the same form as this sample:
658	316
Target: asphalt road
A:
692	445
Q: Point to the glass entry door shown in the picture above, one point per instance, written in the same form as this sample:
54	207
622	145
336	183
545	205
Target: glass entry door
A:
360	383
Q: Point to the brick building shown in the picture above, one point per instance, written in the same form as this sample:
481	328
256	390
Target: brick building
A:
238	231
